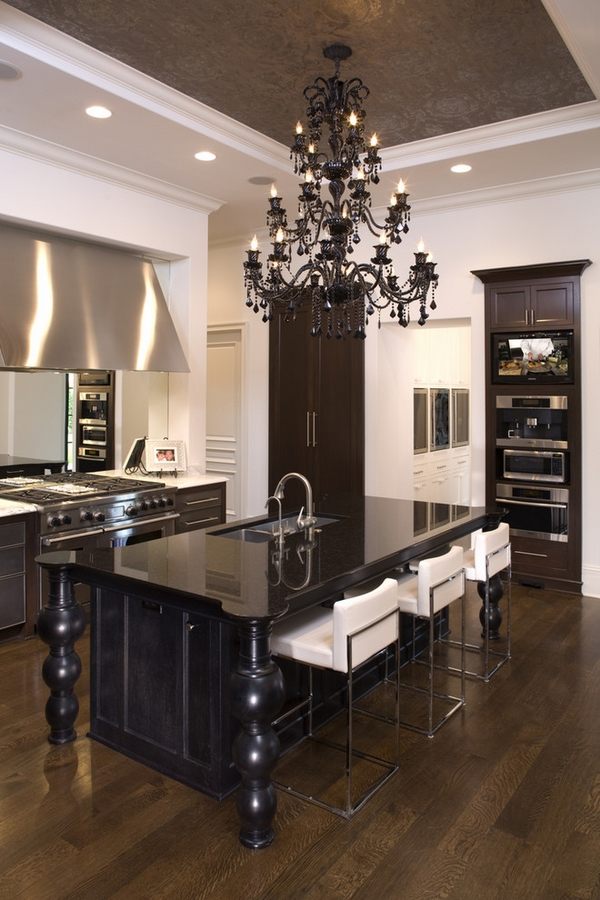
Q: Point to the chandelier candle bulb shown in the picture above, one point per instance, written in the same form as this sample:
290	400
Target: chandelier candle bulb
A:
335	201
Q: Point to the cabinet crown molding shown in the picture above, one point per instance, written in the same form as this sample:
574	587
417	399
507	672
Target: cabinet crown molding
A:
537	270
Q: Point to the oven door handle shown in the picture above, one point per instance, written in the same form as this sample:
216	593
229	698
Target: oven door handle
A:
502	500
70	536
124	525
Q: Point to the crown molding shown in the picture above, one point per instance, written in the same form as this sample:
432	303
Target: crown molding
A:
48	45
506	193
62	157
536	127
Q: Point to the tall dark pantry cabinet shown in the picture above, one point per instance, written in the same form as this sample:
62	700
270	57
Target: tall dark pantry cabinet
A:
533	416
316	410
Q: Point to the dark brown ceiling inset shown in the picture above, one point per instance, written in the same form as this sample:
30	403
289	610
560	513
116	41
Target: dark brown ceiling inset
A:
432	68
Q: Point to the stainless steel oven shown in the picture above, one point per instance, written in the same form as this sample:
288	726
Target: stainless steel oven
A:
93	435
536	511
535	465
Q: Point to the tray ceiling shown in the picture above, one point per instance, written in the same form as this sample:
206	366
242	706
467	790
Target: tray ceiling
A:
432	67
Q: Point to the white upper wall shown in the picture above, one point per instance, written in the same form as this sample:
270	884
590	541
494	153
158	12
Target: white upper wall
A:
560	226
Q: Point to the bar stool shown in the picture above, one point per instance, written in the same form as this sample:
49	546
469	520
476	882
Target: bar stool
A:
439	581
489	556
353	632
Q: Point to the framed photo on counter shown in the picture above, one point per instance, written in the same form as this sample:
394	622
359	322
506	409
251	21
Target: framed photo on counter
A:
165	456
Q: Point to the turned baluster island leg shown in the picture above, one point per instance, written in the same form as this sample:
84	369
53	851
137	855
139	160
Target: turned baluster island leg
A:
60	624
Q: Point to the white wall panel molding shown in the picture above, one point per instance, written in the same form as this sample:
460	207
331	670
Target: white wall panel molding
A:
72	160
536	127
30	36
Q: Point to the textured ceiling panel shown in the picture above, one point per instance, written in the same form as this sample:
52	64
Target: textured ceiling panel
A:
432	67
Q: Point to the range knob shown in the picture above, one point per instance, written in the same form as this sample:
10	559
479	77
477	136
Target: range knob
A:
153	503
99	516
86	515
57	519
144	504
162	501
131	510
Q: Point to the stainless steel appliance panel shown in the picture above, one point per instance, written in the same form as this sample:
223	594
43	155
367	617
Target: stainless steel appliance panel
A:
440	418
535	465
420	420
460	417
536	512
539	422
94	435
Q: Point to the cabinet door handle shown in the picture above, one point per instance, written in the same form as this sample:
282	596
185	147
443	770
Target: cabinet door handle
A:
526	553
314	440
199	521
307	428
533	316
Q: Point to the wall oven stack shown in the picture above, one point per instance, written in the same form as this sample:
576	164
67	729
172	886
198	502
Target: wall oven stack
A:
80	511
532	464
95	421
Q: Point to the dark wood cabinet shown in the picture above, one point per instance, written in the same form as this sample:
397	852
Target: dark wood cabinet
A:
316	410
529	299
160	688
549	304
18	608
200	506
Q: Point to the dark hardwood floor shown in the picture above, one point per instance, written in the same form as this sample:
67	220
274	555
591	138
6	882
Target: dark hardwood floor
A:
503	803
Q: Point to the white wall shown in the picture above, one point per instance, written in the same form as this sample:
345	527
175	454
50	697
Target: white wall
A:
226	306
560	226
32	411
50	196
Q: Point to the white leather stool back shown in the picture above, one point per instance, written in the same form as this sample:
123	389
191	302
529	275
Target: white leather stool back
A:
438	569
354	614
485	543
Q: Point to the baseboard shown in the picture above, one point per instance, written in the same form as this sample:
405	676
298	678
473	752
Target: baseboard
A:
591	581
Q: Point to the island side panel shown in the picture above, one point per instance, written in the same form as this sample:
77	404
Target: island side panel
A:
160	687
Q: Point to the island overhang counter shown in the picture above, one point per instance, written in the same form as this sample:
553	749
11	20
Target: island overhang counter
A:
180	635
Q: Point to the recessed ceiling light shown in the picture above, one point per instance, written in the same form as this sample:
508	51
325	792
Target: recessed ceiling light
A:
8	72
459	168
205	156
98	112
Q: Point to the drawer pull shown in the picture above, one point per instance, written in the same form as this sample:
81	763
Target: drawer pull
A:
527	553
198	502
420	472
200	521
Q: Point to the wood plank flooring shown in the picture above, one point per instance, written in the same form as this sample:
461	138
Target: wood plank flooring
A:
503	803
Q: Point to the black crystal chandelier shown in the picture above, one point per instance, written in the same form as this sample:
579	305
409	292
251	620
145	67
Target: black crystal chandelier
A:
343	294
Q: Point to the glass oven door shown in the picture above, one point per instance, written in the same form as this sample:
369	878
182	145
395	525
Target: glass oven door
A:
535	511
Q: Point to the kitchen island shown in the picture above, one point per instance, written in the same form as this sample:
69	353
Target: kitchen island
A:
180	637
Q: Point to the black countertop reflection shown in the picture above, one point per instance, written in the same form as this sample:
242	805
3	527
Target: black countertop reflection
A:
257	580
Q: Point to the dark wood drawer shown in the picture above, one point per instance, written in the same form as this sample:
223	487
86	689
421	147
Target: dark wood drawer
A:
549	558
12	605
200	507
12	534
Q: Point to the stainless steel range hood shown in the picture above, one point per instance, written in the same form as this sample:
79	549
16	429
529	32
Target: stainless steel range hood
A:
70	305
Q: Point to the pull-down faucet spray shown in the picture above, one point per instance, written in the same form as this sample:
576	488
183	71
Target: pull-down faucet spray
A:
309	518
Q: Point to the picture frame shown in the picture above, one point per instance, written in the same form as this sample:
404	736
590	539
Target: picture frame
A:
165	456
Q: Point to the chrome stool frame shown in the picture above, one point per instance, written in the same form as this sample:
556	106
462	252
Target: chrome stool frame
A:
502	657
391	767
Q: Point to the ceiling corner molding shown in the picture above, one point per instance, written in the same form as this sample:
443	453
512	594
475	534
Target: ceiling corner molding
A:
578	23
48	45
576	181
238	240
536	127
62	157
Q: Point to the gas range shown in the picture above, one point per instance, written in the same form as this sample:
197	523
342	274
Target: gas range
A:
77	500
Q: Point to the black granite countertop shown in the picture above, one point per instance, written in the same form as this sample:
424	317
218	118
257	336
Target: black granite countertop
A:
255	580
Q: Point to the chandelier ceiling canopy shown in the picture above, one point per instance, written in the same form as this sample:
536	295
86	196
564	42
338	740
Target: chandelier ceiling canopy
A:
343	293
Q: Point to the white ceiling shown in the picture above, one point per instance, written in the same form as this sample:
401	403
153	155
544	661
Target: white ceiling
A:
154	132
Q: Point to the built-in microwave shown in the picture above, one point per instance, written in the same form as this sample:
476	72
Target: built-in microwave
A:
94	435
544	357
535	465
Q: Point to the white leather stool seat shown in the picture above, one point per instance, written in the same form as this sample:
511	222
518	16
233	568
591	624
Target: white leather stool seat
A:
307	637
469	564
493	546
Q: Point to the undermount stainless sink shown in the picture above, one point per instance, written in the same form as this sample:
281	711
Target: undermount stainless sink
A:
267	530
